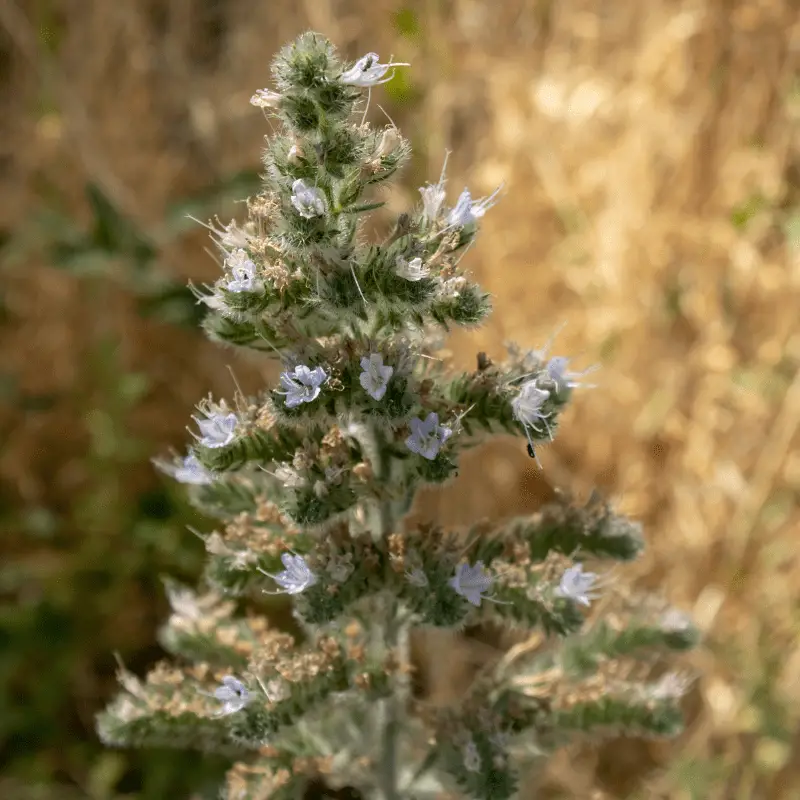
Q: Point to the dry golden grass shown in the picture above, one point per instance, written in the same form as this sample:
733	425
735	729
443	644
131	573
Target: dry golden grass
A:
630	139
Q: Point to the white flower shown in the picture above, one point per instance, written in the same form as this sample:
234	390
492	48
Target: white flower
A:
417	578
297	576
218	430
295	154
243	271
670	686
427	437
675	621
471	582
229	236
368	72
468	211
215	301
451	288
189	471
411	270
266	98
557	370
472	758
183	602
577	585
375	377
232	694
433	195
527	410
308	201
290	477
302	385
388	143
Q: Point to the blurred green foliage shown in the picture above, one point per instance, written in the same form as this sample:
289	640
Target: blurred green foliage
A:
80	579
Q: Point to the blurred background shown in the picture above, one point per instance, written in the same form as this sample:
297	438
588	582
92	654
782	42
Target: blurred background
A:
651	158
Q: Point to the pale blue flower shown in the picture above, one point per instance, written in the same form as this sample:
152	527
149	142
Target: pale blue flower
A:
467	211
302	385
307	200
243	271
189	471
577	585
563	378
472	758
471	582
375	377
233	694
218	430
527	410
367	71
297	576
427	437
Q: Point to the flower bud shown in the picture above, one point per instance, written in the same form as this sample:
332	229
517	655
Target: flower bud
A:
388	143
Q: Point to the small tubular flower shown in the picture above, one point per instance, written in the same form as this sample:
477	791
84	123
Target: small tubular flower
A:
218	430
307	200
527	409
368	71
427	437
670	686
389	142
557	370
243	271
233	695
471	582
577	585
413	270
297	576
266	98
189	471
302	385
467	211
375	377
472	758
433	195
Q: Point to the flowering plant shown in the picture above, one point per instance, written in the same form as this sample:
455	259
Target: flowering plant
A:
311	483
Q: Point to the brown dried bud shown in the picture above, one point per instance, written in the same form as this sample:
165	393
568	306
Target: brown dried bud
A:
363	681
362	471
353	630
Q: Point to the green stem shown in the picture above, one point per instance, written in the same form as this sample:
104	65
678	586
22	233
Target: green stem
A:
395	638
391	726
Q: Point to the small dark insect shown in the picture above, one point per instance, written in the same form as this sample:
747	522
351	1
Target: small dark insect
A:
531	451
484	362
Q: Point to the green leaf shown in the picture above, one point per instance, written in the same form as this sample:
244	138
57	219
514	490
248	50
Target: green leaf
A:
235	187
115	234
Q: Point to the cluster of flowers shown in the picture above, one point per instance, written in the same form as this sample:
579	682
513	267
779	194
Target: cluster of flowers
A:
470	581
303	384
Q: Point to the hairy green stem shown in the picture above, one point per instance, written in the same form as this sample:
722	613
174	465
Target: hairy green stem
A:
395	638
